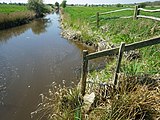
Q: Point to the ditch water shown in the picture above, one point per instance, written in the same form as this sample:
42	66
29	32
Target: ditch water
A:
33	56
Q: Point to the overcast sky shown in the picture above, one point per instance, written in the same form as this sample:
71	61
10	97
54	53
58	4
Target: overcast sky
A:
82	1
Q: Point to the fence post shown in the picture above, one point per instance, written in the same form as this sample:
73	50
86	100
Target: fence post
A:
97	19
120	54
136	12
84	72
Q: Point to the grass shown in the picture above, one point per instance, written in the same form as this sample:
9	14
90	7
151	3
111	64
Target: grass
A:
114	28
134	99
12	8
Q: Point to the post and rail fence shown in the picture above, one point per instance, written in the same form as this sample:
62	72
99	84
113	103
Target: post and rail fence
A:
135	16
111	52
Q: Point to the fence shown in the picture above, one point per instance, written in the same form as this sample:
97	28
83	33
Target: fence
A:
111	52
135	16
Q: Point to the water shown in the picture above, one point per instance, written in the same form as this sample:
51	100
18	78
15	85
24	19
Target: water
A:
33	56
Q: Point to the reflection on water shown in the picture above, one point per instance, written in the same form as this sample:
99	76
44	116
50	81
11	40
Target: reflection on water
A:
38	26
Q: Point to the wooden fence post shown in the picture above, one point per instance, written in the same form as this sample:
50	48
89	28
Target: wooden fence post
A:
121	50
84	72
97	19
136	12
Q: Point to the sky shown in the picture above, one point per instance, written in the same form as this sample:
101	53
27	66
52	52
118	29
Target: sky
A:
82	1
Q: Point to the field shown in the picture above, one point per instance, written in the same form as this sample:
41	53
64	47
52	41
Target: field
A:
12	8
114	27
137	96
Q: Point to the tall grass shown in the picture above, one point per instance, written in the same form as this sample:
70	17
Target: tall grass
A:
15	19
132	100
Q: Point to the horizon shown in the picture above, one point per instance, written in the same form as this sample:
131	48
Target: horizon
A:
82	2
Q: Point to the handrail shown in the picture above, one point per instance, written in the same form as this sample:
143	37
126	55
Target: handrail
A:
129	47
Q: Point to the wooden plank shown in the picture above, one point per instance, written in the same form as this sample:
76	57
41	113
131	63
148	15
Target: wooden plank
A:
127	17
145	10
142	44
129	47
121	50
84	72
148	17
116	11
113	12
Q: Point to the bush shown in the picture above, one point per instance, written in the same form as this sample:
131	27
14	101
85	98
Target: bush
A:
142	5
37	6
63	4
119	5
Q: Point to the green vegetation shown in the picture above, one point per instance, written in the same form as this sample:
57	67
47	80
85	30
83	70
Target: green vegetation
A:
13	15
64	3
38	7
111	26
12	8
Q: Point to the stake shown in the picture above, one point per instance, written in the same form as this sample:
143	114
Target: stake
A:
97	19
84	72
121	49
136	12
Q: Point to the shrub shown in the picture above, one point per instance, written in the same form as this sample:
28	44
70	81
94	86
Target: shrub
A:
37	6
63	4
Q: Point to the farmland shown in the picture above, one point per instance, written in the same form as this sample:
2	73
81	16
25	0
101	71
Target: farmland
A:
12	8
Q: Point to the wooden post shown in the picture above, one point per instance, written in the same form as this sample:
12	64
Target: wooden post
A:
121	50
97	19
136	12
84	72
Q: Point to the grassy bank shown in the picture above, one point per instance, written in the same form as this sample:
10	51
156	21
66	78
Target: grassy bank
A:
115	30
14	15
111	27
138	94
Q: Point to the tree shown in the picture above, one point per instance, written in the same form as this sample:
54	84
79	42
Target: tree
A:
64	3
119	5
57	4
142	5
37	6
